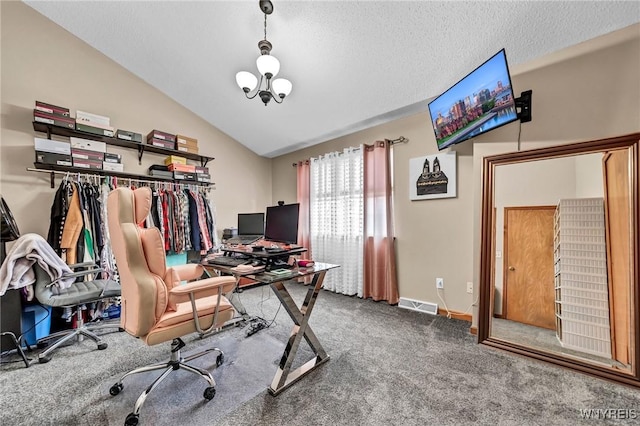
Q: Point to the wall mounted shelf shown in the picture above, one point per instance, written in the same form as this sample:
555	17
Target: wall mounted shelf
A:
50	129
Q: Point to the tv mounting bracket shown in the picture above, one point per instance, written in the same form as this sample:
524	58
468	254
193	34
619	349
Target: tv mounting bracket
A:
524	103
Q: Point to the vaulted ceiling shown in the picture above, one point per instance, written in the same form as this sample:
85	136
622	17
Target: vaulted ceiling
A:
353	64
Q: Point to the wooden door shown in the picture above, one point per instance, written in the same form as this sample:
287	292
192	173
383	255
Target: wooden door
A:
617	202
529	295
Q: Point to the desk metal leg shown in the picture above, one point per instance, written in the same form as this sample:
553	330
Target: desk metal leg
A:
284	376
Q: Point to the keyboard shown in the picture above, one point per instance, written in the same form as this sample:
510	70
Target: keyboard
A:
243	239
228	261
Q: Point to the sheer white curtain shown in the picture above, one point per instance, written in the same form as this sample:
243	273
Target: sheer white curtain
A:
337	218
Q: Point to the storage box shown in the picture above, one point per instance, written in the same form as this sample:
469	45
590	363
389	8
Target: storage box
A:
177	167
112	167
159	134
54	159
129	136
184	176
161	143
48	145
54	119
94	130
87	144
203	177
112	158
36	321
52	109
92	119
186	148
87	164
186	140
84	154
201	169
161	173
174	159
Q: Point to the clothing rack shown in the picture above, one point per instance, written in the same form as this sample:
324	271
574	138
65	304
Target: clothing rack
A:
151	182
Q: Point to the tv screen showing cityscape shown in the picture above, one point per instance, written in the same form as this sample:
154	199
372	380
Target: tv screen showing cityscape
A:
481	101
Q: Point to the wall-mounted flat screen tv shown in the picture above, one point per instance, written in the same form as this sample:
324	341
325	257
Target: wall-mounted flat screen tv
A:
480	102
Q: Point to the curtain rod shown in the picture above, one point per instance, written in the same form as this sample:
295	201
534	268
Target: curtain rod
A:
400	139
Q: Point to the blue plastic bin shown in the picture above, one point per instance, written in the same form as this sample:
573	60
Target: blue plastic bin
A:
37	315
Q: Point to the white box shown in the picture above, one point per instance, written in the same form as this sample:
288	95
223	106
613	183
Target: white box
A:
89	118
112	167
48	145
88	144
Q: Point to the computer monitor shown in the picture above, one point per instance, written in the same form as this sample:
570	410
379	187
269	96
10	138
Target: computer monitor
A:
282	223
250	223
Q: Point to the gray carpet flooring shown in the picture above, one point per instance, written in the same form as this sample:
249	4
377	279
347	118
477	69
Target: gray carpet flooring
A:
388	367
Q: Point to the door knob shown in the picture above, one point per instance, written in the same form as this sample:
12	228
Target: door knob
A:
511	268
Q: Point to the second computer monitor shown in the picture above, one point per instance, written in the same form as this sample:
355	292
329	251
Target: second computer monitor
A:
250	223
282	223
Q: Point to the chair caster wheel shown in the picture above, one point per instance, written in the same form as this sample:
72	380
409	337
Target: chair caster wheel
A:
131	420
220	360
209	393
102	346
44	359
116	389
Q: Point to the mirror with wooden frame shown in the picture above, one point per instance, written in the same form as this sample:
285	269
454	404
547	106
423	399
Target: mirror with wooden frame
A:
559	256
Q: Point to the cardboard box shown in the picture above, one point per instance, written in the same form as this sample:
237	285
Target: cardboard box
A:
201	169
94	130
112	167
54	119
52	158
52	109
186	148
87	164
112	158
159	134
161	143
174	159
48	145
129	136
177	167
88	145
84	154
186	140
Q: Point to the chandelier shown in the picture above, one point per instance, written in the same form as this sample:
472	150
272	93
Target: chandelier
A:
268	66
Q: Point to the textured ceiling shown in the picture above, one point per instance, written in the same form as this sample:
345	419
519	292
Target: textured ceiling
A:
352	64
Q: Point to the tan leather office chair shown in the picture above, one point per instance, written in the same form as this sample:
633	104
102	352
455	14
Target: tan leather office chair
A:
155	306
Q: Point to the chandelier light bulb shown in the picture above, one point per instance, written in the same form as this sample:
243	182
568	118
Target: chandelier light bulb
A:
267	64
246	80
282	87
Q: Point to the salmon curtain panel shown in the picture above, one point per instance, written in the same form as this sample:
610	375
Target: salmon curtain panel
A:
380	274
303	179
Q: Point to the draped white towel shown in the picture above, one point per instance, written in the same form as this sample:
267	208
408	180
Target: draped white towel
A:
17	269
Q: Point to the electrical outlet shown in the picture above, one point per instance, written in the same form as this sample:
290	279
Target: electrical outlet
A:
470	287
439	283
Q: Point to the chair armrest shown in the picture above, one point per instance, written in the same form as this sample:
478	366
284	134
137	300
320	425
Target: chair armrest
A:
188	272
82	265
76	274
201	288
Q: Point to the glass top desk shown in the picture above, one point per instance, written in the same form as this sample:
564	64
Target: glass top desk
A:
285	377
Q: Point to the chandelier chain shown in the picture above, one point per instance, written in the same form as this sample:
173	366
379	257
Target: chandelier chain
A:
265	26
